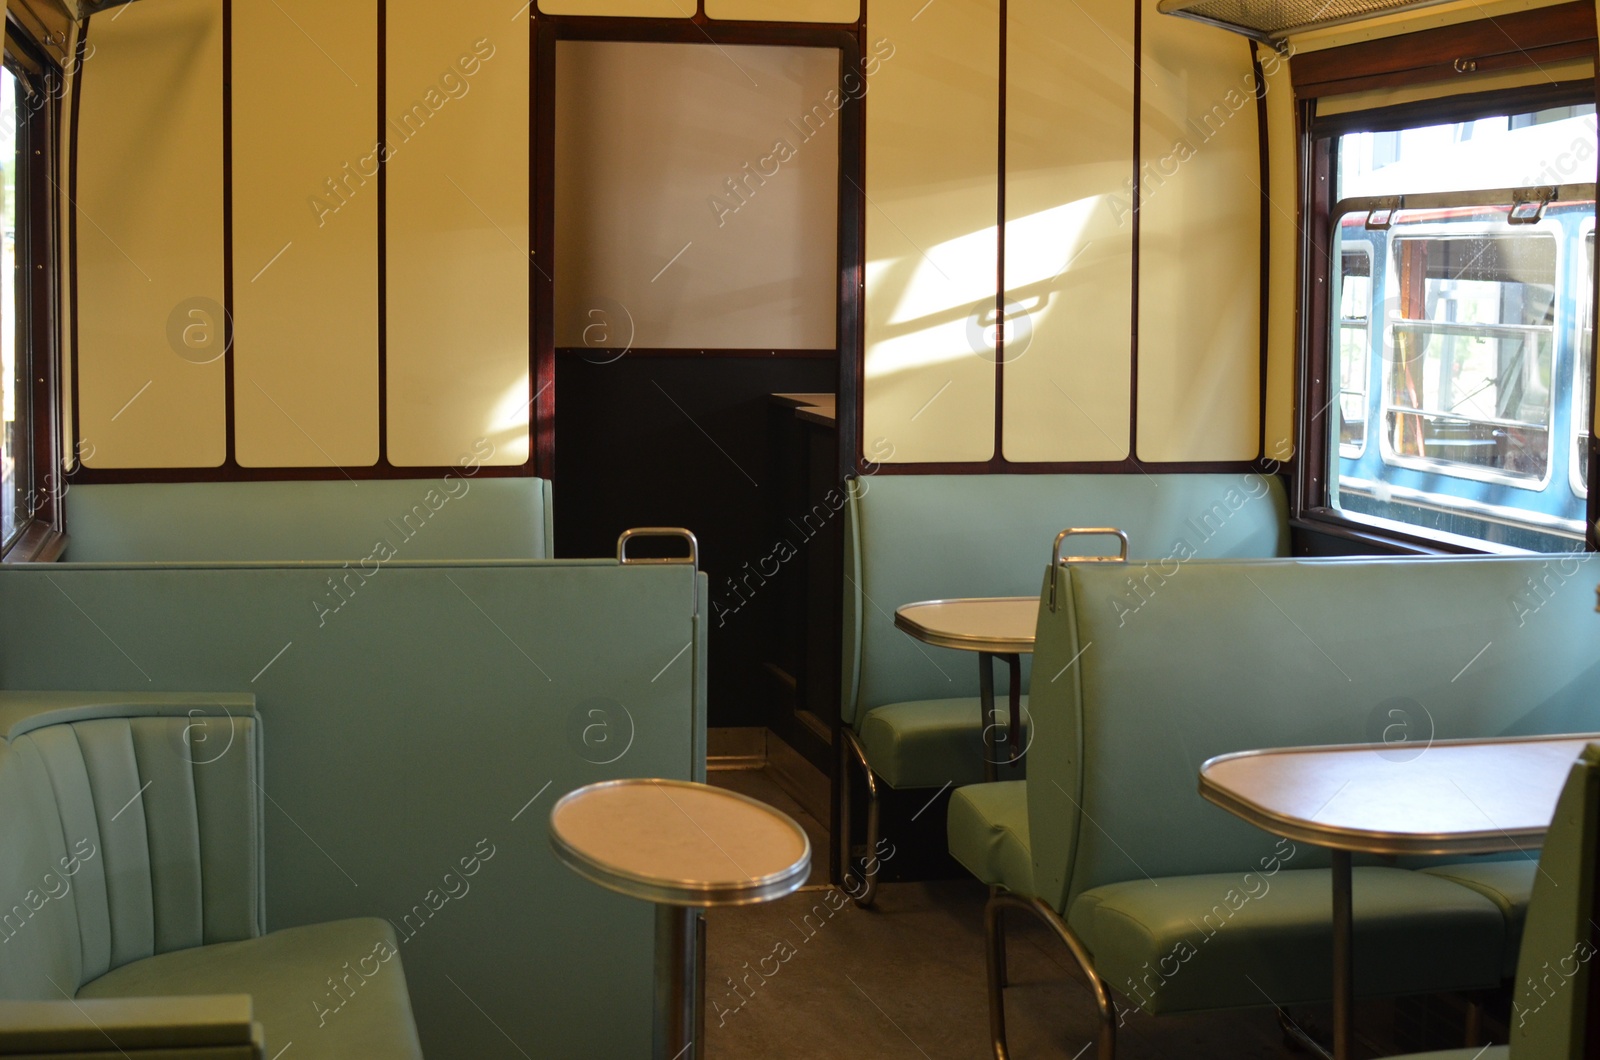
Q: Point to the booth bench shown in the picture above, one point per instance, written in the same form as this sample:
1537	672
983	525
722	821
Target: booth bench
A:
133	868
1154	668
910	714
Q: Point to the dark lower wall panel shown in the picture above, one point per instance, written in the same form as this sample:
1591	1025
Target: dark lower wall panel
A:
684	441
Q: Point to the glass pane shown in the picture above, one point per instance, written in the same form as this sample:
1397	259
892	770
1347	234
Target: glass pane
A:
1461	340
13	438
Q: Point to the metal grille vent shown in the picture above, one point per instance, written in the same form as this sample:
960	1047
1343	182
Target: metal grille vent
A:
1272	21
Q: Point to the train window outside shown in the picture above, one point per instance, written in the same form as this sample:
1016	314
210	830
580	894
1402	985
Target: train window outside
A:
1461	341
1355	340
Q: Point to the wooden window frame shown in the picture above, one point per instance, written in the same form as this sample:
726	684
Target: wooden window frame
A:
41	535
1318	138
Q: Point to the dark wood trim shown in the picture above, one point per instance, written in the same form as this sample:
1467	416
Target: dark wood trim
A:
541	274
382	141
1312	450
1592	501
37	543
35	323
851	265
710	31
229	413
1329	523
1000	251
91	476
605	355
1084	467
1137	224
71	461
1507	42
1263	150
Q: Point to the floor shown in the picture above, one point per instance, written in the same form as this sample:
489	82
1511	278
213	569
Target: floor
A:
813	976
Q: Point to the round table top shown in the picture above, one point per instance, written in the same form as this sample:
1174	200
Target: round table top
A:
674	842
999	624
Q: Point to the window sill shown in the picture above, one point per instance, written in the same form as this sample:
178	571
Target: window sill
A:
38	543
1381	533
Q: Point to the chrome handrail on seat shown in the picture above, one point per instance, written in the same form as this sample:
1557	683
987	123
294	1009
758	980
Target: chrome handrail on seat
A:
1057	559
692	559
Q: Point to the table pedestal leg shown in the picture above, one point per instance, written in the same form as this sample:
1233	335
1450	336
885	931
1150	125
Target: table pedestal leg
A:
1343	959
991	756
676	987
1014	695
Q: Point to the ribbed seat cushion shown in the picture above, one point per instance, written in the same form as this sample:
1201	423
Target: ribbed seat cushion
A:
1218	941
987	825
1509	885
333	990
928	743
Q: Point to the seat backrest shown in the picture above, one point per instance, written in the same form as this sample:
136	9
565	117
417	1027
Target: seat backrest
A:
125	831
926	537
1550	1012
1154	668
449	517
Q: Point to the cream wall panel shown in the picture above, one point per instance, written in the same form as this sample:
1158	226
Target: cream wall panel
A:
1284	233
697	192
633	8
1069	231
150	237
458	234
305	230
1199	273
785	10
932	191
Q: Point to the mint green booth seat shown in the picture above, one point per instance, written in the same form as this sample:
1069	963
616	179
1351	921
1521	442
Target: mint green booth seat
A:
131	851
1550	1014
1178	905
910	714
460	514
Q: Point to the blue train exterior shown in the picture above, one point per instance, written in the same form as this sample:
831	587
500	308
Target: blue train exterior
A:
1498	475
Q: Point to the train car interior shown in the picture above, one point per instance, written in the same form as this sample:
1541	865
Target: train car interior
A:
799	529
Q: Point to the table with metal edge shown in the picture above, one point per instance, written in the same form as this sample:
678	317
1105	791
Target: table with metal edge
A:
1447	797
994	627
684	847
998	627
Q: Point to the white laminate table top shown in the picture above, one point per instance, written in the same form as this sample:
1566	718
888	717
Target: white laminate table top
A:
1447	797
1000	624
679	843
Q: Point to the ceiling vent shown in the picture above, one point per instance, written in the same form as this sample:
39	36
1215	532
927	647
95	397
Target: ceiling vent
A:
1273	21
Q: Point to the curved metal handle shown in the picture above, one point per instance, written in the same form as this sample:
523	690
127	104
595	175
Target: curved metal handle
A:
1057	559
693	558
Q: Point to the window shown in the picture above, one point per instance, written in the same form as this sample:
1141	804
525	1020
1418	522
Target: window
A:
30	517
1458	334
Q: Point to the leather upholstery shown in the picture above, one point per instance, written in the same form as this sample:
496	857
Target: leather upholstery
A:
131	849
1550	1011
334	990
1182	943
928	537
134	840
455	516
1217	656
988	829
1233	656
1508	884
934	742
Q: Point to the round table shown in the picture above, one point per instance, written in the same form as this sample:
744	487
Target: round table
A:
684	847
